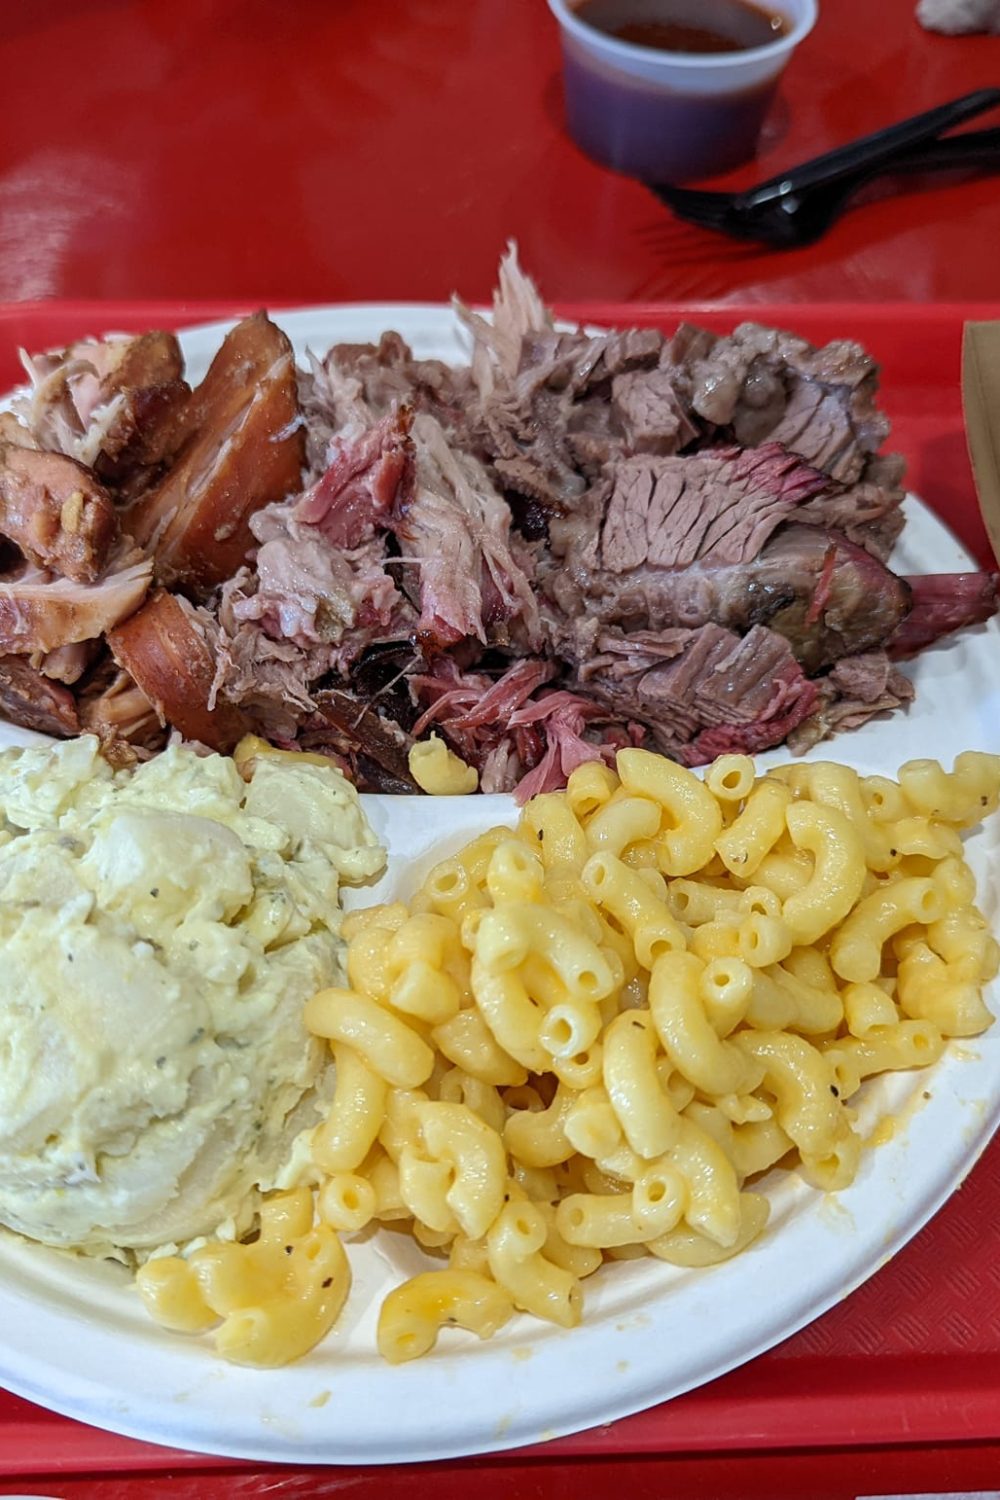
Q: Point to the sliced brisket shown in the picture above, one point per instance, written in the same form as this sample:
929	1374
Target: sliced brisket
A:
653	676
652	416
762	383
702	692
857	689
827	597
718	507
750	699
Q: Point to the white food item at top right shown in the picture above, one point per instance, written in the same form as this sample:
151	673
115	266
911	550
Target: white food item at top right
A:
955	17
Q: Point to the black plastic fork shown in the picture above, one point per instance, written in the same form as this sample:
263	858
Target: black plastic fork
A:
798	206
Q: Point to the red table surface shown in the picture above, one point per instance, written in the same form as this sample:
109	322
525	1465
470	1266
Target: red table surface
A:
895	1390
330	150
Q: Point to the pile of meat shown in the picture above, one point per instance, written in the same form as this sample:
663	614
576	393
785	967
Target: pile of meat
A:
573	543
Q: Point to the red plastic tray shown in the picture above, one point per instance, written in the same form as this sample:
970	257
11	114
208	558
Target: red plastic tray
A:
896	1390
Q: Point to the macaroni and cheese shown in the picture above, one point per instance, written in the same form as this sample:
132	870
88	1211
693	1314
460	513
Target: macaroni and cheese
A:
586	1037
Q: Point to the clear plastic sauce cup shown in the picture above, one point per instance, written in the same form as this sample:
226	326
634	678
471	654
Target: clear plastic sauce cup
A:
671	116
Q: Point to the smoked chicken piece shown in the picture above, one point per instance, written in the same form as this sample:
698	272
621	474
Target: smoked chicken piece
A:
150	407
119	713
14	431
39	612
67	664
164	648
116	404
35	702
56	512
244	450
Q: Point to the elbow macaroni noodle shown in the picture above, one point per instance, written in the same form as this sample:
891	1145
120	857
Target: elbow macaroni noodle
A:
586	1037
439	771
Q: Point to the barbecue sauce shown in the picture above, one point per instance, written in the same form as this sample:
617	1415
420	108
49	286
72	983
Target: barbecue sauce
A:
679	129
703	26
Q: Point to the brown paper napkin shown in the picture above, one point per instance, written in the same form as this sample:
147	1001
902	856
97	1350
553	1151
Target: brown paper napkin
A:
981	402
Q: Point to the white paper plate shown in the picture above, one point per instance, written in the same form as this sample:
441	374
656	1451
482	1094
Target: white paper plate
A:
75	1338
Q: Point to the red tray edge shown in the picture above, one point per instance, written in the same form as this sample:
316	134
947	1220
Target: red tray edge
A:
863	1417
181	310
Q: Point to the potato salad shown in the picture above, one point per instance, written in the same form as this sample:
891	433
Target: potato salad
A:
161	928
